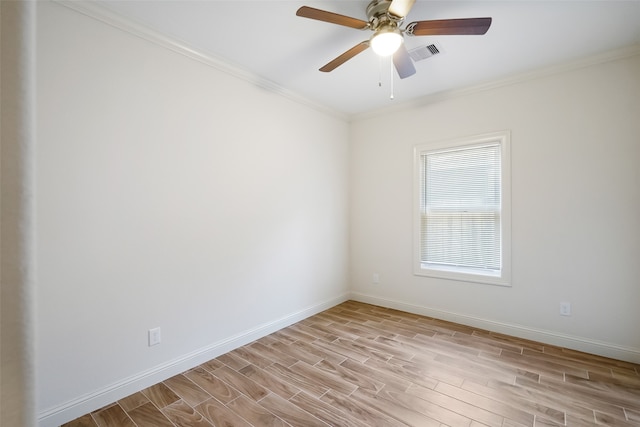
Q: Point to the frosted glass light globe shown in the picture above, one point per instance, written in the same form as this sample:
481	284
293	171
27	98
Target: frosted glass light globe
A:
386	42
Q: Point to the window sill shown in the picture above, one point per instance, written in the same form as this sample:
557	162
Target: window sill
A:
498	279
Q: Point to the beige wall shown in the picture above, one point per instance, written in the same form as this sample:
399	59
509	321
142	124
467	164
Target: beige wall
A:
174	195
170	195
575	144
17	50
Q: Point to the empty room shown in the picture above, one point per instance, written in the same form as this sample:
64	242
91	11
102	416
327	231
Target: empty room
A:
248	213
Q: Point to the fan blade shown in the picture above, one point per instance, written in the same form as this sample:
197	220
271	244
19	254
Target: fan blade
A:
345	56
400	8
403	63
334	18
449	27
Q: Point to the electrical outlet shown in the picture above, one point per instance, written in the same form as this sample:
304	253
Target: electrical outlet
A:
154	336
375	278
565	309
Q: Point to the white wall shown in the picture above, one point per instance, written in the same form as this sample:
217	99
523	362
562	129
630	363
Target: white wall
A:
17	141
575	139
170	195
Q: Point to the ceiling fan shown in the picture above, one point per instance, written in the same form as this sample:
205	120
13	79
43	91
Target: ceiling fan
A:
384	18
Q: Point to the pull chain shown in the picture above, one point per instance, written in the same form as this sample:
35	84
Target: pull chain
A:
390	76
391	79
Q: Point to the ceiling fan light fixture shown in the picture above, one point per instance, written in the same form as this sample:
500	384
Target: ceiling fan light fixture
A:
383	18
386	41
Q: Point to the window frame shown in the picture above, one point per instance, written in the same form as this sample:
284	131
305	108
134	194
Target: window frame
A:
503	138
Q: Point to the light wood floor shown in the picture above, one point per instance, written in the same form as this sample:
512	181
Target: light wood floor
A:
358	365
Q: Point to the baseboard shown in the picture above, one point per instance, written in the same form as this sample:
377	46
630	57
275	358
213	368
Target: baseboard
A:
548	337
70	410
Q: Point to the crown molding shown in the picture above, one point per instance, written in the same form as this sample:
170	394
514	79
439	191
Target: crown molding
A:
109	17
93	10
608	56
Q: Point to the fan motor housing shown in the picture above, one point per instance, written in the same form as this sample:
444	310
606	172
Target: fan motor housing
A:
377	13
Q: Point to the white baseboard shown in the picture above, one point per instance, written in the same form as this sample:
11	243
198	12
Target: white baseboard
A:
548	337
72	409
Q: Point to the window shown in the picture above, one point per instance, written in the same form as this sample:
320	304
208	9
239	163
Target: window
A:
462	225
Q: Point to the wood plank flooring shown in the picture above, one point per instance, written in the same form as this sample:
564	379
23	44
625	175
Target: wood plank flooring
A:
358	365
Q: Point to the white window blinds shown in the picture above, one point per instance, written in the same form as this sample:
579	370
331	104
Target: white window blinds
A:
460	208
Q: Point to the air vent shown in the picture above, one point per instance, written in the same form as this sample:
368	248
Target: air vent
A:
424	52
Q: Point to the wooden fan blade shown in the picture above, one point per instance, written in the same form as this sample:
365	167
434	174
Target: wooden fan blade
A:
449	27
334	18
400	8
345	56
403	63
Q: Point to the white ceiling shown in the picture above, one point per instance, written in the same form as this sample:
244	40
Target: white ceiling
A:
267	39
